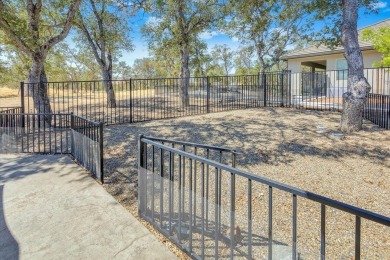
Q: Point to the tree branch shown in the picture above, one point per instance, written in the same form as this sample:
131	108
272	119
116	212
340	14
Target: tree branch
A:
68	24
99	19
90	41
34	11
6	28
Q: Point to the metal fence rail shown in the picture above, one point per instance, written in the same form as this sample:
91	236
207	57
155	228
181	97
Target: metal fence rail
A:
54	134
197	204
10	110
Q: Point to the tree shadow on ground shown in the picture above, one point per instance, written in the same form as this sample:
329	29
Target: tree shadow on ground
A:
267	136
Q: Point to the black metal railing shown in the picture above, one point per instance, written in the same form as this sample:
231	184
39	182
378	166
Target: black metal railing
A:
377	110
137	100
35	133
10	110
87	144
54	134
213	210
323	90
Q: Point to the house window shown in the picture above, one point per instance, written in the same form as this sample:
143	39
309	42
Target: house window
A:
342	69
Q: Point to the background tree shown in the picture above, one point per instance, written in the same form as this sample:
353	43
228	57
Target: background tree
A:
381	40
244	61
34	29
201	59
107	34
268	26
223	57
147	68
166	60
177	24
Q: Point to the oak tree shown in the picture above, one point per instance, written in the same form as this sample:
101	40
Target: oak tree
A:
176	24
34	28
340	19
105	29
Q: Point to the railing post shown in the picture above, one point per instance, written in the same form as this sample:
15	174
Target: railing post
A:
131	101
323	226
282	88
140	165
265	88
141	151
101	161
288	93
22	102
208	94
357	238
71	133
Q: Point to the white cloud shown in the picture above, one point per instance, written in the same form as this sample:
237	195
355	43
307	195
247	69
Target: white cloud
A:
208	35
379	5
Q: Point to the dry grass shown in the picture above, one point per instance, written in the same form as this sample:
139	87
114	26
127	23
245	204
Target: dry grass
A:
8	92
280	144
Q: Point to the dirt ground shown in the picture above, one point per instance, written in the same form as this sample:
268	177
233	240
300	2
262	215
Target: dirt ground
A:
283	145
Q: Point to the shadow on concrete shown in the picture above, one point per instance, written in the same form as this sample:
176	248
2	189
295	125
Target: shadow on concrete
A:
9	247
22	166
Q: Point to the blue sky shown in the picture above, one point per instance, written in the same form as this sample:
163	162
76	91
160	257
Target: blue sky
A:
213	38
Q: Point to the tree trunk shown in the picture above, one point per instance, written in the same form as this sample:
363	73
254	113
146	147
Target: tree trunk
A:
37	87
358	87
107	77
184	75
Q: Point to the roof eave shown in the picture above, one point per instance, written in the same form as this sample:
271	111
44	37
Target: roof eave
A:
286	57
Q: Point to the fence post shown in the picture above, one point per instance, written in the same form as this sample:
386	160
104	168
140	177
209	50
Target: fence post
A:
282	87
131	102
208	94
141	152
265	88
288	93
71	133
101	152
22	102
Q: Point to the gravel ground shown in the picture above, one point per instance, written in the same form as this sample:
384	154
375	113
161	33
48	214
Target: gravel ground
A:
283	145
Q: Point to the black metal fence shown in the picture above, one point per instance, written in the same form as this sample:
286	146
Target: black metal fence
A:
212	210
377	110
54	134
10	110
35	133
87	144
137	100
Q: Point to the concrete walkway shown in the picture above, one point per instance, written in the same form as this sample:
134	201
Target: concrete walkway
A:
51	209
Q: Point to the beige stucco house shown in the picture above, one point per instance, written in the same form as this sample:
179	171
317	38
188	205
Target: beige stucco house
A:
332	65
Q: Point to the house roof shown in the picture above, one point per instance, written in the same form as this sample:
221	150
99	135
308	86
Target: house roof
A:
312	51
